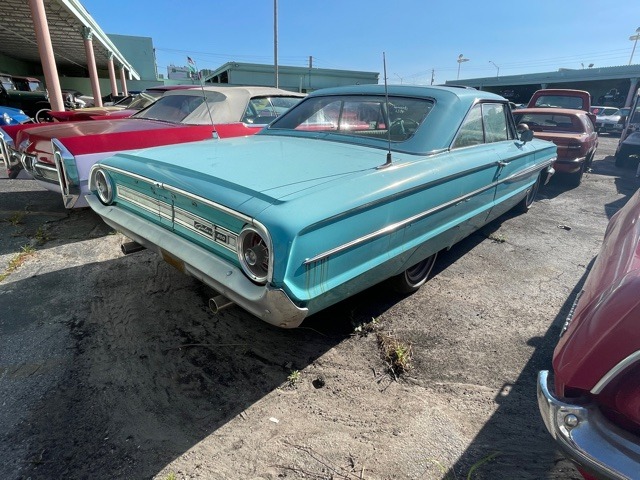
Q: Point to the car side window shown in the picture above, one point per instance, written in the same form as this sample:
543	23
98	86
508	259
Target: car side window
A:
471	131
495	122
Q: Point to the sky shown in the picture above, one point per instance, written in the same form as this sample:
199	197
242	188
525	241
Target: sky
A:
419	38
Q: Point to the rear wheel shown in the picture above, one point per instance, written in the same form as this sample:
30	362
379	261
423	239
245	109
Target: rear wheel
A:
414	277
527	201
622	156
575	179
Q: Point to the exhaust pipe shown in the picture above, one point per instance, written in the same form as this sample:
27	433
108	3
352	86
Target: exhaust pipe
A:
131	247
219	302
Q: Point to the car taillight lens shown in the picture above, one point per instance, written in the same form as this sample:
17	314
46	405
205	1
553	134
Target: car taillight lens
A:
254	254
620	399
100	182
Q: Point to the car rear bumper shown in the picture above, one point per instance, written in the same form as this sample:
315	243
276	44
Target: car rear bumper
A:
45	173
586	437
270	304
572	165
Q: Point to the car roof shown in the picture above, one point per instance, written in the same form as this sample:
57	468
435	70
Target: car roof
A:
171	87
548	110
466	95
231	92
232	101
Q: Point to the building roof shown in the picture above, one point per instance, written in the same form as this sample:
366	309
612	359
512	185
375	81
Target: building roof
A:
563	75
66	19
284	69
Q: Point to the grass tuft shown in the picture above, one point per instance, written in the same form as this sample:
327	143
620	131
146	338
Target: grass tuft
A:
16	218
17	260
396	353
293	378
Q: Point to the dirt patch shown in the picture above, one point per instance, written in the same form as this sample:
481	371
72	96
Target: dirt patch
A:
113	366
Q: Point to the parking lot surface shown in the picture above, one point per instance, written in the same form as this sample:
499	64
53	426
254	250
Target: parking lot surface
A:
112	366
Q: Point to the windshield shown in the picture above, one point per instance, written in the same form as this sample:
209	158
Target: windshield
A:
371	115
36	87
143	99
172	108
7	83
263	110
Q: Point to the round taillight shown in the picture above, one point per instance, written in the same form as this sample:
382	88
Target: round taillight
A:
254	255
103	186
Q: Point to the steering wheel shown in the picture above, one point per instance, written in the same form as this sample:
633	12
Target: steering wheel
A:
43	116
402	126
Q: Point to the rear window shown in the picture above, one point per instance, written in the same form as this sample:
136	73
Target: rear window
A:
367	116
560	101
550	122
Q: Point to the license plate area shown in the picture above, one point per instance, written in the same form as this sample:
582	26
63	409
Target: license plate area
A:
173	261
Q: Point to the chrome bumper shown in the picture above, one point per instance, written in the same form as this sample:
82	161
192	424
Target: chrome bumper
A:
9	157
587	438
43	172
269	304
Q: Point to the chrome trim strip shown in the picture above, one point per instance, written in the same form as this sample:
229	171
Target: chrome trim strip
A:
420	216
615	371
145	202
178	191
571	313
189	221
397	225
209	230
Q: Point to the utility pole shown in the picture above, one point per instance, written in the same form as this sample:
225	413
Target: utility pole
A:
433	75
275	42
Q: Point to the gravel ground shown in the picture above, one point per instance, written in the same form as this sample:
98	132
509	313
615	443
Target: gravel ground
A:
113	366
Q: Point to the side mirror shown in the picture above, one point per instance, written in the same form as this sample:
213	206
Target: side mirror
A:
525	134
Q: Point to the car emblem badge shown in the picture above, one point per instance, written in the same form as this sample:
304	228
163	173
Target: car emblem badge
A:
201	227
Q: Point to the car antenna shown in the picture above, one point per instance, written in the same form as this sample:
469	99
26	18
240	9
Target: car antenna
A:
386	104
204	97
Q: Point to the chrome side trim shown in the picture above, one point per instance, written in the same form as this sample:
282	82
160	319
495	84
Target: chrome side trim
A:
179	191
615	371
572	311
189	221
393	227
206	229
145	202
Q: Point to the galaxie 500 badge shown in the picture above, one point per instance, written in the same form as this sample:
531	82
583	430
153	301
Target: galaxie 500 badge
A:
217	234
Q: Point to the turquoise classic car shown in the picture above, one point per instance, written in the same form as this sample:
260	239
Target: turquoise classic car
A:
351	187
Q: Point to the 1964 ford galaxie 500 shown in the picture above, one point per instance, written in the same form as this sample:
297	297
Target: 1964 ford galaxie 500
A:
348	188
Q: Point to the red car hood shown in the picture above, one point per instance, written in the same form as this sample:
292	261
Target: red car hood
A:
606	321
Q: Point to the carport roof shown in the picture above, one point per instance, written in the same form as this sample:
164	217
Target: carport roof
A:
66	19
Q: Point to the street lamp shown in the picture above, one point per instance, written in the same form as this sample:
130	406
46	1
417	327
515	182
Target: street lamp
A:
497	74
635	41
460	60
